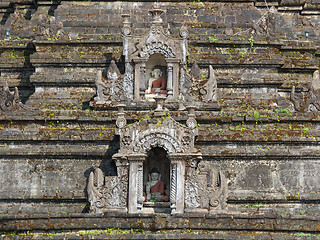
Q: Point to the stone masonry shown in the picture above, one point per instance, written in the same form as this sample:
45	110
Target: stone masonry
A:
262	131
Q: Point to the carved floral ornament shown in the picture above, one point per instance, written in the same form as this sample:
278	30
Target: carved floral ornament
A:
191	186
9	101
170	135
156	47
310	100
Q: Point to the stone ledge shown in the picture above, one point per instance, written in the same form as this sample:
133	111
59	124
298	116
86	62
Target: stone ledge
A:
160	222
185	235
212	112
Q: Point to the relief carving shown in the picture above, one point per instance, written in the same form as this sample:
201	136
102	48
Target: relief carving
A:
195	88
110	88
156	47
210	87
205	187
49	26
192	197
265	25
102	89
9	101
307	101
192	184
140	137
128	83
107	192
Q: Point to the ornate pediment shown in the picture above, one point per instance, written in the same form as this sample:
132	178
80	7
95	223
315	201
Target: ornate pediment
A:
165	132
156	46
155	41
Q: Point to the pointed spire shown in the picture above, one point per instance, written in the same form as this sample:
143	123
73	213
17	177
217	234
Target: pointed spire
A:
316	80
195	70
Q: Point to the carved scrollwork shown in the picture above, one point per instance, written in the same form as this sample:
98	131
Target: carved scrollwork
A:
184	32
205	187
307	101
218	199
210	87
192	189
157	139
126	31
191	123
113	88
95	190
303	102
156	47
102	89
121	122
48	25
109	191
128	83
9	101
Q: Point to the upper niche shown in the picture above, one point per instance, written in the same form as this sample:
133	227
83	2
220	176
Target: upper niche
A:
156	77
155	66
155	49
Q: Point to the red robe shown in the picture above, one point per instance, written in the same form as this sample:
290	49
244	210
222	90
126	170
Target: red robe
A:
159	83
159	188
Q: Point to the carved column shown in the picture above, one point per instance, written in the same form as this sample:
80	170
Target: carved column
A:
142	79
137	81
175	77
177	170
135	202
170	80
127	79
122	185
184	33
126	31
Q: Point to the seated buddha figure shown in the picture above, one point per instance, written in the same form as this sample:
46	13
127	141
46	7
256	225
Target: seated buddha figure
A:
155	187
157	84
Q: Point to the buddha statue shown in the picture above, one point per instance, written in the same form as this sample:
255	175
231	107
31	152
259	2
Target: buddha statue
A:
155	187
156	84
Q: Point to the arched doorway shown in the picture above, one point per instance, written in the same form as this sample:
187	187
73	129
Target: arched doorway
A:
157	158
156	77
157	161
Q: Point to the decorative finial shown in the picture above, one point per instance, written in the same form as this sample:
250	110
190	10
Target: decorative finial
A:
156	13
307	33
7	37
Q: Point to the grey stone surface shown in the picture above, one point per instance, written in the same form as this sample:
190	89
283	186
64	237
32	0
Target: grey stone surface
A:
261	135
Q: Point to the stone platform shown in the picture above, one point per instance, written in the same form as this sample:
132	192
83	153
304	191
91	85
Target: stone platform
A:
159	226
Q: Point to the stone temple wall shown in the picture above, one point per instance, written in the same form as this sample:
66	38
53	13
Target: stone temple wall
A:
267	147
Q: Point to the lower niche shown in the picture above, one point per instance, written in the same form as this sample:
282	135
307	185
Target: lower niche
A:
156	182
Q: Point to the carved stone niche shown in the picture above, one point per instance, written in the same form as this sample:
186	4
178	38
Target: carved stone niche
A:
165	144
155	66
155	50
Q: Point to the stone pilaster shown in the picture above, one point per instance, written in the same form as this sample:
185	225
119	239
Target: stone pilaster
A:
177	170
136	182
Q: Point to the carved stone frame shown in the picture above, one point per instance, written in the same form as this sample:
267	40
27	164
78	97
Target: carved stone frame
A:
137	139
138	49
177	170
